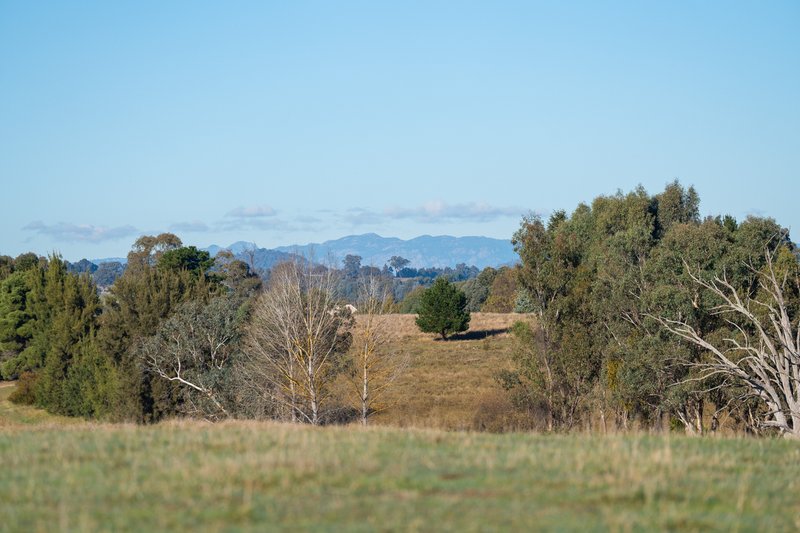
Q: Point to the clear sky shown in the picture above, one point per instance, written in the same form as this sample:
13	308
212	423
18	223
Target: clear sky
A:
291	122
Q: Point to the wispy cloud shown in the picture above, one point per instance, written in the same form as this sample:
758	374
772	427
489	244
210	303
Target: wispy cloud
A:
80	232
256	223
254	211
259	218
434	212
190	227
359	216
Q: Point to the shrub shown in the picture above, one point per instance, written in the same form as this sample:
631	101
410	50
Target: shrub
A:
25	393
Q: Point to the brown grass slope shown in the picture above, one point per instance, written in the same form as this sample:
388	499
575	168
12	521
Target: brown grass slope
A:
448	384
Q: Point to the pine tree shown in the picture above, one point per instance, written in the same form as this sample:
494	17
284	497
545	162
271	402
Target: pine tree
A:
443	309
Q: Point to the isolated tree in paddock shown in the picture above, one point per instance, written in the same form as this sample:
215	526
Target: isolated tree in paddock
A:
443	309
374	367
295	341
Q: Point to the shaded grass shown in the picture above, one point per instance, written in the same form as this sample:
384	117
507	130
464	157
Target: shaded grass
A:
12	415
256	476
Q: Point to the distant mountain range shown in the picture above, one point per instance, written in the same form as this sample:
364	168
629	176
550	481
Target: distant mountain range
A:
122	260
425	251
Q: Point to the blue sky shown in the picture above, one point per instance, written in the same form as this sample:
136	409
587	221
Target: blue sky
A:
290	122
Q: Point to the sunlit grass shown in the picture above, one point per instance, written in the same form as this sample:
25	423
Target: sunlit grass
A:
258	476
66	474
447	382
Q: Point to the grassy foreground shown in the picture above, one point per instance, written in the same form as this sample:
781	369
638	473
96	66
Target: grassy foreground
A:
264	476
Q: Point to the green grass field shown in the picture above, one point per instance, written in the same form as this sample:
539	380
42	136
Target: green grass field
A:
266	476
59	473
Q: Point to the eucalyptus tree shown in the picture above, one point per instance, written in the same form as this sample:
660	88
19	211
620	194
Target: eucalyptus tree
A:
593	278
195	348
761	350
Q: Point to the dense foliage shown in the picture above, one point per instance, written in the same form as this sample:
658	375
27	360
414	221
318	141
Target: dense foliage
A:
83	356
607	287
600	279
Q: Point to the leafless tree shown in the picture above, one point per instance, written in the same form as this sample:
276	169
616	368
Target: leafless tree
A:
763	352
374	366
295	340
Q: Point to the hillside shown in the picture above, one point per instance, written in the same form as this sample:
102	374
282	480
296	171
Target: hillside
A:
424	251
450	384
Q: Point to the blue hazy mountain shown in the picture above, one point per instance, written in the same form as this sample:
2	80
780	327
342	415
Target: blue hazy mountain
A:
260	258
237	248
99	262
424	251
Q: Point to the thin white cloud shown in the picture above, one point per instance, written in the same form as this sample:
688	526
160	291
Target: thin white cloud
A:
190	227
64	231
434	212
358	216
254	211
262	224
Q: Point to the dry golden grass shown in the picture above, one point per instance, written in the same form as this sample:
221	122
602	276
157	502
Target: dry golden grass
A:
404	327
446	383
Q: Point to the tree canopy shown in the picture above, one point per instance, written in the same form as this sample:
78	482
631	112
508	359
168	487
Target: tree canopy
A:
596	278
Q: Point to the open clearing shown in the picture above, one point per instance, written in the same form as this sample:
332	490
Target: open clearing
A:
257	476
447	383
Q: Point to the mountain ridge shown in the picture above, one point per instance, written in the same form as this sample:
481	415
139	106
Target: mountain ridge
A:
421	251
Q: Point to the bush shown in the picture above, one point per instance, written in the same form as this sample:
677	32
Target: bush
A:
25	393
496	413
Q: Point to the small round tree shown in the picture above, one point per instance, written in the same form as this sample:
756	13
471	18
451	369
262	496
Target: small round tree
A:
443	309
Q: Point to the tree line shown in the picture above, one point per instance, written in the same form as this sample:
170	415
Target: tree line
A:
646	313
181	333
